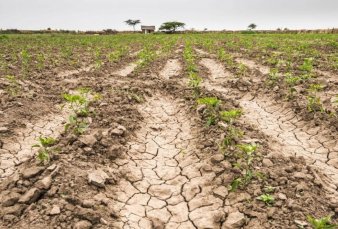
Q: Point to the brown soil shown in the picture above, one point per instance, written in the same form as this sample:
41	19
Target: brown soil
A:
148	160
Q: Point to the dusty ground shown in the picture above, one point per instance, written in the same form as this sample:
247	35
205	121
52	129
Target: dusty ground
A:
148	160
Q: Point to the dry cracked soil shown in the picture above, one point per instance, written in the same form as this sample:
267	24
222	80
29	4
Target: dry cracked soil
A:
147	159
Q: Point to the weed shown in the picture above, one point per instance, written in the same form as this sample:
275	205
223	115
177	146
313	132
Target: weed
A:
194	83
211	112
307	65
79	104
322	223
231	115
267	199
13	88
44	151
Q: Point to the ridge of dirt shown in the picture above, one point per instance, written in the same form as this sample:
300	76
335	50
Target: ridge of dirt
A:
285	127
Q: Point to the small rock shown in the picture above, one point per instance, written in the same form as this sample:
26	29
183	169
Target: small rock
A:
88	139
55	210
32	172
3	129
52	167
103	221
88	203
83	224
201	108
234	220
221	191
216	159
45	183
267	162
118	131
282	196
97	178
300	223
30	196
10	199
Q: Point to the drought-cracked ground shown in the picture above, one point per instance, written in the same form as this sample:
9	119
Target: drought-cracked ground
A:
165	183
287	131
147	159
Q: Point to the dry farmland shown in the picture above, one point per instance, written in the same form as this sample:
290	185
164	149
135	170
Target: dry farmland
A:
169	131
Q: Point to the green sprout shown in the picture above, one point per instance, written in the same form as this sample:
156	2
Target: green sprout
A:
266	198
322	223
230	115
44	151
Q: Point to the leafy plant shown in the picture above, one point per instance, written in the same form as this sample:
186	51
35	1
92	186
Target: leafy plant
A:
266	198
14	87
322	223
79	104
211	109
231	136
44	151
230	115
307	65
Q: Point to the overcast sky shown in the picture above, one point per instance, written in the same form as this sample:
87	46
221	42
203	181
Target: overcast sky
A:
198	14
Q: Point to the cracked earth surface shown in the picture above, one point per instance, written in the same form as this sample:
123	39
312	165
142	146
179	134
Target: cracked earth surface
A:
171	69
165	184
18	148
288	133
127	70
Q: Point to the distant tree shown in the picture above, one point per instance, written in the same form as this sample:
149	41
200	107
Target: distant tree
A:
133	23
171	26
252	26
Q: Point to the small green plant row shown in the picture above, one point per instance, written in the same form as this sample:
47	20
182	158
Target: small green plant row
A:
214	115
79	104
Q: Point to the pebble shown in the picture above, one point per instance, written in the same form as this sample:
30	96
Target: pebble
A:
97	178
55	210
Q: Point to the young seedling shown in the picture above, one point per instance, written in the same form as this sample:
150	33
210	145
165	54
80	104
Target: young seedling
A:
267	199
322	223
79	104
194	83
248	151
307	65
212	104
313	101
44	151
14	87
230	115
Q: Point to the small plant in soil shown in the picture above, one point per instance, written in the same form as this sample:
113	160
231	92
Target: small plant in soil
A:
307	65
313	101
266	198
269	189
232	135
242	69
247	154
44	149
79	105
272	77
322	223
194	83
211	112
13	88
291	81
230	115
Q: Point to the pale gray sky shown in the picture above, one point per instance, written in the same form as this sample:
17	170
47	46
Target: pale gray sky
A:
198	14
